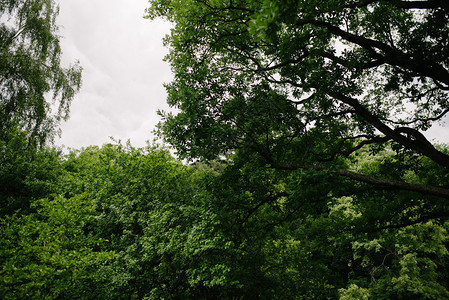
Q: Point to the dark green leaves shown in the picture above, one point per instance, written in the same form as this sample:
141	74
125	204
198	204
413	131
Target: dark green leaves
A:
317	108
35	90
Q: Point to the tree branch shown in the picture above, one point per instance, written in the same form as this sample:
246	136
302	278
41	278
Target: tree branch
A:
420	143
429	4
382	182
392	56
348	152
436	118
412	222
267	200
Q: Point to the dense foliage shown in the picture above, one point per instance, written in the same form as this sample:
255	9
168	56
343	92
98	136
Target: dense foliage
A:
35	95
118	222
302	83
35	90
304	181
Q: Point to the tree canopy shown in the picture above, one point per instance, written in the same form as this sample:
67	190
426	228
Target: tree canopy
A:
304	83
35	95
310	176
35	89
118	222
320	107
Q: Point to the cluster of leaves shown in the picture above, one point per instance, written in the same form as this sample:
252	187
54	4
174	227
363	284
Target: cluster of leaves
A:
293	193
119	222
35	89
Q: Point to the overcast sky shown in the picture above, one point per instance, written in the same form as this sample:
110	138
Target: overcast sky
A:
122	56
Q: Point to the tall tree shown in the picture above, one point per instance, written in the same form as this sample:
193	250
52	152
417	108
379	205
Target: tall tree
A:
302	83
35	90
323	105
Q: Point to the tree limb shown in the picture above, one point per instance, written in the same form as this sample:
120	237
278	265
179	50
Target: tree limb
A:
412	222
392	56
373	140
429	4
436	118
377	181
420	143
267	200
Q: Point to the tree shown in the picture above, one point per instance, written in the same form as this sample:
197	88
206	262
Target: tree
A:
49	255
305	83
117	222
154	213
35	95
319	108
26	174
30	71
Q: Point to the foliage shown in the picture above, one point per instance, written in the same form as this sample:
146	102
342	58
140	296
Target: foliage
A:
319	240
305	183
30	71
25	174
318	108
303	83
125	223
47	255
151	210
119	222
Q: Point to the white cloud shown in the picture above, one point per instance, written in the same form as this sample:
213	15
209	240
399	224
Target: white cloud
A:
121	53
439	133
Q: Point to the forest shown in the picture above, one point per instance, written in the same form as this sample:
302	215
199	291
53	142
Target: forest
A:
294	164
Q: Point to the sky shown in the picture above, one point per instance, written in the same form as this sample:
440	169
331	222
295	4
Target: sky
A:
124	72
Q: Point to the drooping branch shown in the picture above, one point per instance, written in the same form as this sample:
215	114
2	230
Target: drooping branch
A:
420	188
388	54
435	118
429	4
418	142
346	153
376	181
268	200
347	64
434	216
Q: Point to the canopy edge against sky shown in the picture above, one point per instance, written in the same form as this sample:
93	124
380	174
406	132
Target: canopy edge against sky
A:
124	72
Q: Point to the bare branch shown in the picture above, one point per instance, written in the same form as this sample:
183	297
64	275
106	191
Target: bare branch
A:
436	118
